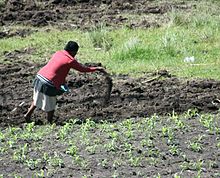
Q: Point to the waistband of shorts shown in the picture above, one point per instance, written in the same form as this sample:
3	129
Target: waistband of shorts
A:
45	80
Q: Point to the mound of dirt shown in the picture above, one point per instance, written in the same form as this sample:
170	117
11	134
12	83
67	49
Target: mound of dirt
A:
85	14
90	97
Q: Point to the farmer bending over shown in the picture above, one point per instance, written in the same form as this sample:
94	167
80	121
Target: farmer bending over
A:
50	80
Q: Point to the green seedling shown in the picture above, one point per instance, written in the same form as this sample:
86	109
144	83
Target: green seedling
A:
114	135
20	155
56	161
111	146
196	166
32	163
128	147
135	161
177	176
72	150
63	132
151	122
115	175
40	174
196	144
147	143
2	137
128	125
174	150
117	163
191	113
158	176
80	161
207	121
218	145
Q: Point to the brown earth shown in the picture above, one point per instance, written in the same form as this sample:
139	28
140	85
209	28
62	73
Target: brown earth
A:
158	92
86	14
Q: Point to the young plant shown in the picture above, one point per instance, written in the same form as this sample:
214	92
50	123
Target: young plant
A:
56	161
72	150
111	146
20	155
207	121
135	161
174	150
196	144
63	132
32	163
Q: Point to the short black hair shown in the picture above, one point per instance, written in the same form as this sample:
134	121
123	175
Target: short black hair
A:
71	46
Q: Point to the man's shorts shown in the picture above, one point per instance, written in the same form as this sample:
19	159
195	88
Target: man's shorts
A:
45	94
44	102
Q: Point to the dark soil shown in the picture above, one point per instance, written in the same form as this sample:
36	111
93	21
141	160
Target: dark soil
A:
90	97
86	14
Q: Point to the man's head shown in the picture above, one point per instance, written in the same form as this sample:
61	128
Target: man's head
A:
72	48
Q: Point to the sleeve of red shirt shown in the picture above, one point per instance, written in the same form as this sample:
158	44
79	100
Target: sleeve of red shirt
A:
79	67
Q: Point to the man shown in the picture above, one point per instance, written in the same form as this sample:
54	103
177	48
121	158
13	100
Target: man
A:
50	80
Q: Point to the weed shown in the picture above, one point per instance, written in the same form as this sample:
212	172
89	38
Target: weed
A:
100	38
2	136
30	127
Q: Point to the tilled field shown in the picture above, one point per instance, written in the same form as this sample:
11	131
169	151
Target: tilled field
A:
158	92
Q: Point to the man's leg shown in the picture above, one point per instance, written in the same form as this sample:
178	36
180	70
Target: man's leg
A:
50	116
27	116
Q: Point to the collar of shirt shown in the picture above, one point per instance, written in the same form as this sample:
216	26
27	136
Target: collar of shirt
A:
67	54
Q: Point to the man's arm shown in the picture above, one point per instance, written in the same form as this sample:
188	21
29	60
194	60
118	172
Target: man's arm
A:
81	68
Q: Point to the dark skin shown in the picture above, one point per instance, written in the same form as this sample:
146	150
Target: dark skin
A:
50	114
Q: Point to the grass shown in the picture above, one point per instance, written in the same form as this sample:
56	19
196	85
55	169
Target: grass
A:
191	33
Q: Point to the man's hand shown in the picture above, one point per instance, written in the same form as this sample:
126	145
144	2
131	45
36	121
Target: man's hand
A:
101	69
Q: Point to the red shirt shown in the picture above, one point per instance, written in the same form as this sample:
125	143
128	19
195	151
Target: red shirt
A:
58	67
